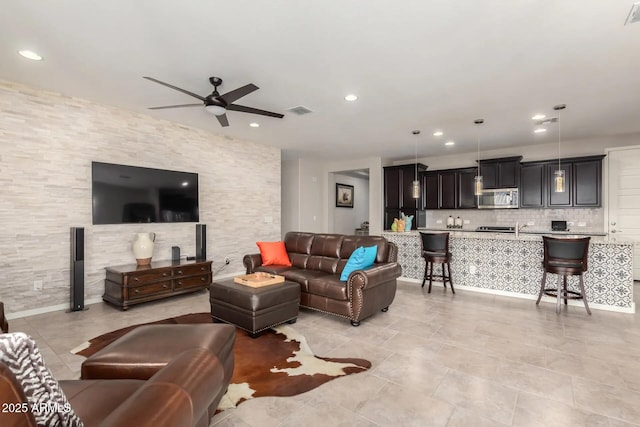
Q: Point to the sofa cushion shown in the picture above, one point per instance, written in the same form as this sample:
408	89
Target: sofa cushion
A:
273	253
302	277
298	247
327	245
328	286
360	259
19	352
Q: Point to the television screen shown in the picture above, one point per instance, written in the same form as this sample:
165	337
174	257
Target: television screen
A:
129	194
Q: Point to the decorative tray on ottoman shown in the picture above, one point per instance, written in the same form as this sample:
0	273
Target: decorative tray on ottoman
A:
258	279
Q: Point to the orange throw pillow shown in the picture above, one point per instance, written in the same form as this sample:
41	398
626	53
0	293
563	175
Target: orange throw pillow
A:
274	253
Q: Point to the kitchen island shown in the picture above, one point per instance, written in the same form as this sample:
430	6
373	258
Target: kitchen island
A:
503	264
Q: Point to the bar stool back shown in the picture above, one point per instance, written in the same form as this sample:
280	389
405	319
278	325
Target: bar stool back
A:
564	257
435	249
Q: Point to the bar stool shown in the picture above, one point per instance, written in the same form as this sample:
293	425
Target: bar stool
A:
435	249
564	257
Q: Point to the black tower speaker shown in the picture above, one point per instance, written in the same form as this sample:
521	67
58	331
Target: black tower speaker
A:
77	268
201	242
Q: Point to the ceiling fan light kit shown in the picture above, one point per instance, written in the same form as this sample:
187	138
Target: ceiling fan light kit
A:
216	110
217	104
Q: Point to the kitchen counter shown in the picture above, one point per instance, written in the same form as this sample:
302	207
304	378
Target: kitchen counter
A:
523	231
503	264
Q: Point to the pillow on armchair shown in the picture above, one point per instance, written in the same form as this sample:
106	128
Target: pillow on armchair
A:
21	355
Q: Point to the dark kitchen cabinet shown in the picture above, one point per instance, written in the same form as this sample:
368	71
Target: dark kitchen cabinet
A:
587	183
466	188
440	190
398	182
583	183
500	173
533	191
448	193
430	190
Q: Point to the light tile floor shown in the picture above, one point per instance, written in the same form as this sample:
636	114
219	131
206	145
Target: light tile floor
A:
438	360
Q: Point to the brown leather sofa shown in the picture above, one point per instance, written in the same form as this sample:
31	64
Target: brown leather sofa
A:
317	262
177	395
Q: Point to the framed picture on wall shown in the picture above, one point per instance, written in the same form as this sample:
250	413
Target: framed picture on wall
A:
344	196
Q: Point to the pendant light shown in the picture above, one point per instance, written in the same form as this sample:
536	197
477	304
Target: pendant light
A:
478	178
559	173
415	187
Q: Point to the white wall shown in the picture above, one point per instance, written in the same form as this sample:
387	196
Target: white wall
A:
47	144
346	220
312	179
290	178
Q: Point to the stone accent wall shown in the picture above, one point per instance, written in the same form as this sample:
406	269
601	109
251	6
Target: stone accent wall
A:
48	142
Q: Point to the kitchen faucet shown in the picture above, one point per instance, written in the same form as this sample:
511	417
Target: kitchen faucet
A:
519	227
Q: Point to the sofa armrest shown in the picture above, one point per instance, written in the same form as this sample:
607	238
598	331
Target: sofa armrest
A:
179	394
374	276
251	262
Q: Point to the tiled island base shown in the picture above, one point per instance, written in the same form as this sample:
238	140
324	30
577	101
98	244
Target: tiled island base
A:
503	264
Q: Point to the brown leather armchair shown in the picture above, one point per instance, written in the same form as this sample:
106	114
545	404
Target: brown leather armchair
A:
177	395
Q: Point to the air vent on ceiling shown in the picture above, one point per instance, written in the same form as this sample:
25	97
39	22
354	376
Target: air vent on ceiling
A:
300	110
634	14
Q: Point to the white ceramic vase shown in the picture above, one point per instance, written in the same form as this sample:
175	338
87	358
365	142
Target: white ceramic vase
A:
143	247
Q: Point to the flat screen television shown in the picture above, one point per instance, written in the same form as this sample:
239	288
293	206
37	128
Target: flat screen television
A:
129	194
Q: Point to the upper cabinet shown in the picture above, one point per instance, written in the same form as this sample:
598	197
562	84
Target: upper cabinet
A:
398	196
500	173
533	181
449	189
466	188
583	183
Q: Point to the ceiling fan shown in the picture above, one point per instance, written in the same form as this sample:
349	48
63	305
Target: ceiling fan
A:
217	104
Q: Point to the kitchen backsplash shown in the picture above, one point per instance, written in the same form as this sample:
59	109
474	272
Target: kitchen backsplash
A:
593	219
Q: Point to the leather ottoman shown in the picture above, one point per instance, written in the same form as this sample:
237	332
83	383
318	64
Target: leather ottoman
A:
141	353
254	309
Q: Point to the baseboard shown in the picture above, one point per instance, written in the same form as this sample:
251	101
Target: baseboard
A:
47	309
545	299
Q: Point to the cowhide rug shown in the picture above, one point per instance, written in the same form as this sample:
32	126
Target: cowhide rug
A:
277	363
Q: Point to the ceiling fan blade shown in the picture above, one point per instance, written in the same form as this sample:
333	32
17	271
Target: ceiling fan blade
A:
236	94
223	120
195	95
175	106
242	108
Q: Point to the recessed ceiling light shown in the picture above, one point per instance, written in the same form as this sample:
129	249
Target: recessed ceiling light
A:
29	54
438	133
254	125
351	97
449	143
540	130
538	117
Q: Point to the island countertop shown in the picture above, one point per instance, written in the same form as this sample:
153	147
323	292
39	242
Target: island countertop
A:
503	264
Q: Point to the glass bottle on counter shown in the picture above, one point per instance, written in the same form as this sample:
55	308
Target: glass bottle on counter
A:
458	222
450	222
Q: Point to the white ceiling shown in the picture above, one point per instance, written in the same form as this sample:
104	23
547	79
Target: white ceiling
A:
414	64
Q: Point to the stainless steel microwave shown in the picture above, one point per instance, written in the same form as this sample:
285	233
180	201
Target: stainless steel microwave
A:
501	198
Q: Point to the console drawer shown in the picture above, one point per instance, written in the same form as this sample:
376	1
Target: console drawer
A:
150	289
193	281
142	277
191	270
